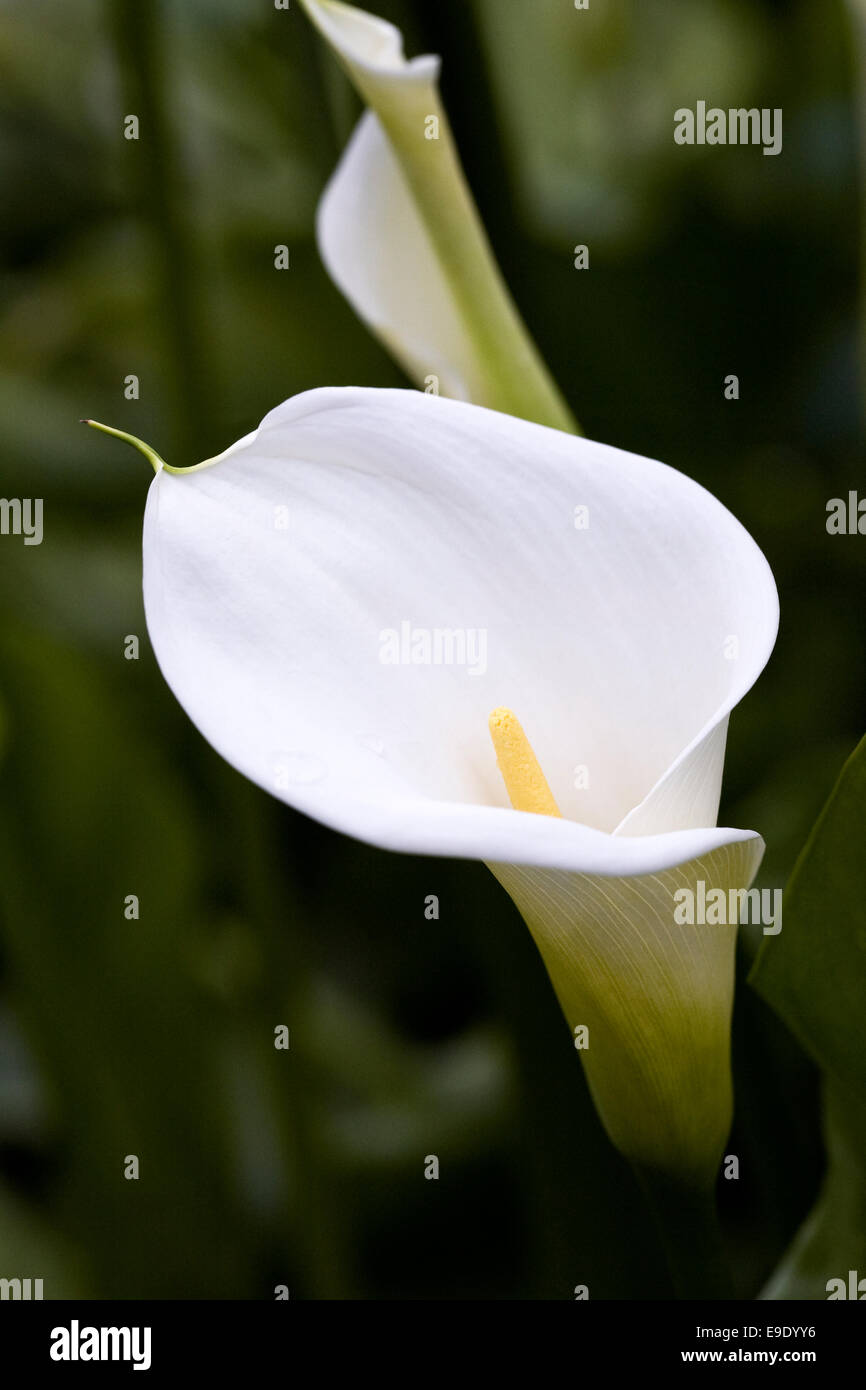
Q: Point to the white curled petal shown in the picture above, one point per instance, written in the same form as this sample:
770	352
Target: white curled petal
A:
378	252
371	50
400	234
371	44
405	509
688	793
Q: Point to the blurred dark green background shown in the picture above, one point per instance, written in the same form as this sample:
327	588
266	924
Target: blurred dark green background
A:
408	1037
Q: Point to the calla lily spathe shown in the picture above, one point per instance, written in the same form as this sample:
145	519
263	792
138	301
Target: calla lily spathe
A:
400	234
270	578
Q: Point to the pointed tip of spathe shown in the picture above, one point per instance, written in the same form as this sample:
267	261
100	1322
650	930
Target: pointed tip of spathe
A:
150	454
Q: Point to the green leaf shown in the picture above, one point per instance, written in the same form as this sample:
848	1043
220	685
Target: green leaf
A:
832	1239
814	972
814	975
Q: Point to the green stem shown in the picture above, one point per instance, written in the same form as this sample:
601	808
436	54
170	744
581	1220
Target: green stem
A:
689	1230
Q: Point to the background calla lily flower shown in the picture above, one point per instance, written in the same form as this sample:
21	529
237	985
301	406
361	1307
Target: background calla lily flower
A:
400	234
409	514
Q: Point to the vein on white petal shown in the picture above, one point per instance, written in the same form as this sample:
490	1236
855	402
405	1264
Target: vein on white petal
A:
662	993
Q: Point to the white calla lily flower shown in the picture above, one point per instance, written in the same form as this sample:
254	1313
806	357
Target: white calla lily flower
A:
400	234
341	599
